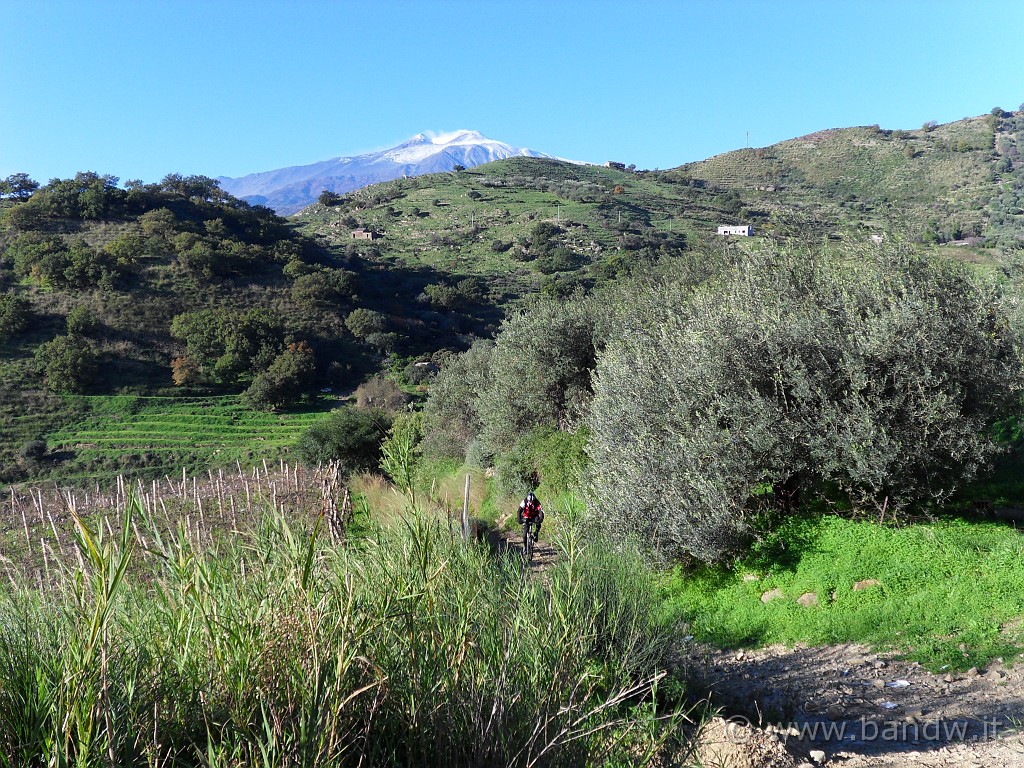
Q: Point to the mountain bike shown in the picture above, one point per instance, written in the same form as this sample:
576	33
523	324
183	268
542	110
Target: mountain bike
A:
528	541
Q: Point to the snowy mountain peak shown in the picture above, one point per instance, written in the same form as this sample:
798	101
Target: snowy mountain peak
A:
462	137
288	190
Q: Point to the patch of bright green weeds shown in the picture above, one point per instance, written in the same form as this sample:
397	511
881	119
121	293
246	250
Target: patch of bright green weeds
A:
949	593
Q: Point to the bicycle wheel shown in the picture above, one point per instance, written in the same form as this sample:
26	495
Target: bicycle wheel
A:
527	543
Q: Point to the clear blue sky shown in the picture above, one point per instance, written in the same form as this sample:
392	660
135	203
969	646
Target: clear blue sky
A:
142	88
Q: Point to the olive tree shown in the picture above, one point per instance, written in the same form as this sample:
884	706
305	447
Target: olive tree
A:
452	420
540	371
871	380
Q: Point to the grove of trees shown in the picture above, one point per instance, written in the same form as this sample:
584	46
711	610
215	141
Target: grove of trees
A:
715	397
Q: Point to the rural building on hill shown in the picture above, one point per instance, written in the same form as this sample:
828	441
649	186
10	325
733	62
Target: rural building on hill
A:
745	230
364	234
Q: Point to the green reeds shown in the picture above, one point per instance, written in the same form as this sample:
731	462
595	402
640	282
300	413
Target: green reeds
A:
275	647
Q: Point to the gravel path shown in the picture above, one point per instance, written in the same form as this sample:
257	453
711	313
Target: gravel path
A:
844	705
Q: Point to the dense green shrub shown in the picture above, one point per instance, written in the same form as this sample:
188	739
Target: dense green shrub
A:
350	436
322	287
286	381
364	322
81	321
32	452
15	313
872	381
227	346
67	363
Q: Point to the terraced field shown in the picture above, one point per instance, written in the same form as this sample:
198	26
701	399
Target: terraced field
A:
148	434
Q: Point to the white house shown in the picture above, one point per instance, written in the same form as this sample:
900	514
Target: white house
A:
746	230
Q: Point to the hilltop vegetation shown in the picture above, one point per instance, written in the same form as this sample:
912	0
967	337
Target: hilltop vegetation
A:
942	182
179	290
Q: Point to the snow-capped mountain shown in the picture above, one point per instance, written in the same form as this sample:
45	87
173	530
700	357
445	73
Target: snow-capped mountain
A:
288	190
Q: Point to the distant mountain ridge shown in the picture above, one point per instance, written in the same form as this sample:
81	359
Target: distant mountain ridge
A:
288	190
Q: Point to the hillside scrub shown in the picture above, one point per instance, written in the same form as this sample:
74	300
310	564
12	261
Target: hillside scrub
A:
279	648
871	380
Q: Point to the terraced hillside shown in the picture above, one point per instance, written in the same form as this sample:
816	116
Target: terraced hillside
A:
132	433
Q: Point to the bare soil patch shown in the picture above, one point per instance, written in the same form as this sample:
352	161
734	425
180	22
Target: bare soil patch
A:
846	705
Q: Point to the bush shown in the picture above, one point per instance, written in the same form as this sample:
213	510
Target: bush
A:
81	321
33	452
349	436
382	394
15	313
287	379
558	260
228	346
869	379
68	364
363	322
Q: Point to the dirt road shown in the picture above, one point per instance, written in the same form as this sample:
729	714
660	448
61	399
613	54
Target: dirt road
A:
846	706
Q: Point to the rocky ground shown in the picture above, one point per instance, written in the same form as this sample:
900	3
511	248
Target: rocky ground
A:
847	706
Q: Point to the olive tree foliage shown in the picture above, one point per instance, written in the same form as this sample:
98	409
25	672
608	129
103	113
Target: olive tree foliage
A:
535	377
536	374
540	371
870	381
452	420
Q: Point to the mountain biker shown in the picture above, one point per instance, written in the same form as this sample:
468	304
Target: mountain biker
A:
531	511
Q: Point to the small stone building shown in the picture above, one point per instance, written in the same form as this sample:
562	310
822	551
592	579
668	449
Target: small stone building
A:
364	234
743	230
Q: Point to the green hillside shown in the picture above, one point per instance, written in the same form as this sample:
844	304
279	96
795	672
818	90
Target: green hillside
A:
177	290
522	224
952	181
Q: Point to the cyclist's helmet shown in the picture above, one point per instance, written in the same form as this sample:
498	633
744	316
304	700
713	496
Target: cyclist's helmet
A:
530	498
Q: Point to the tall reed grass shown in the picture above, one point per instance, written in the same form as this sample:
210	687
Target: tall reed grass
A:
276	646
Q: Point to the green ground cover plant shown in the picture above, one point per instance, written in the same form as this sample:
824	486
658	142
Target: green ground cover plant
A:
948	593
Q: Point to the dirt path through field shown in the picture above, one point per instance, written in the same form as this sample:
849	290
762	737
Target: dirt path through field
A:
844	705
511	540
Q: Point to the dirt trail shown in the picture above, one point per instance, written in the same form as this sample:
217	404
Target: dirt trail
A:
511	540
847	706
